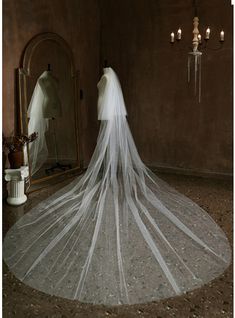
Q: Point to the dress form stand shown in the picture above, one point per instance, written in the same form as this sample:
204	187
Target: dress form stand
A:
57	165
16	180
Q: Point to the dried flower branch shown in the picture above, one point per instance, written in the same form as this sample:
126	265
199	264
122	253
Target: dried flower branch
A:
16	143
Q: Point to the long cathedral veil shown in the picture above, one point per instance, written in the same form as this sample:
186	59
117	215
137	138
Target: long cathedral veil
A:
38	151
117	234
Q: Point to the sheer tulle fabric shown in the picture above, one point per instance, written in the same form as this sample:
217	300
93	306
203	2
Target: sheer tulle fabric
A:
118	234
38	151
44	105
110	103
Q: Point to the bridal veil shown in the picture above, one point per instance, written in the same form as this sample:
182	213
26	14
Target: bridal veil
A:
118	234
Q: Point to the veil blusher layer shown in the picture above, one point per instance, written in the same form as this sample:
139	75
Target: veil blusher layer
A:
110	103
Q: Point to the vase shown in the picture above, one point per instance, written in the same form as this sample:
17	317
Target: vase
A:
16	159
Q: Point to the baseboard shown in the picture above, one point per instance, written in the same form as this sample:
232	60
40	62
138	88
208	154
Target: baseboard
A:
191	172
188	172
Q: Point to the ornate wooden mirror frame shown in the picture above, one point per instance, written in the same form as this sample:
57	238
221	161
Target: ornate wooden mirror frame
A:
23	76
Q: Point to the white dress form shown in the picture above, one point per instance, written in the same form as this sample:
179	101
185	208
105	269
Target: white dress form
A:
51	101
110	104
44	105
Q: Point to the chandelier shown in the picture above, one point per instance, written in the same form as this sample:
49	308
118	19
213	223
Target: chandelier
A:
195	55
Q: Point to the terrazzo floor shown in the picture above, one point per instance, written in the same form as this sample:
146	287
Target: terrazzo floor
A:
212	300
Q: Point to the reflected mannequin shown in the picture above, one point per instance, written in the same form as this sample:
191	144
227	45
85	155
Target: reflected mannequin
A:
51	101
44	105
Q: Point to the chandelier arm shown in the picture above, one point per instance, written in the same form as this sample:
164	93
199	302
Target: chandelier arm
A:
216	48
182	47
206	47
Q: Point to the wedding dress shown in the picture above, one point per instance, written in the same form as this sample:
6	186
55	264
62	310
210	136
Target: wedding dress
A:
118	234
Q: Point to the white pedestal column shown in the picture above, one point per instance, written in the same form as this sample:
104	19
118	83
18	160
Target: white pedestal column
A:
15	178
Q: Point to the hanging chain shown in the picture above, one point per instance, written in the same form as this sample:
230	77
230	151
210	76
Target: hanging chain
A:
195	8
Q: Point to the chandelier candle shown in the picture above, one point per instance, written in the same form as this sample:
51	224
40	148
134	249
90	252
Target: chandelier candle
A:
222	36
179	32
208	31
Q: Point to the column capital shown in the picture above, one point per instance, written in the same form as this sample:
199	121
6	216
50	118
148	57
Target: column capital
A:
17	174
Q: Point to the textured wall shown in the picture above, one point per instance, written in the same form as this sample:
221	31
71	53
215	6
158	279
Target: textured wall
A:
77	21
169	126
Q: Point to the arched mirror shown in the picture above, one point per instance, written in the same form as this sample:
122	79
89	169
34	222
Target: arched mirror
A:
48	85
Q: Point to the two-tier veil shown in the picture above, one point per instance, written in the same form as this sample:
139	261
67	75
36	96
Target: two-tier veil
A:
117	234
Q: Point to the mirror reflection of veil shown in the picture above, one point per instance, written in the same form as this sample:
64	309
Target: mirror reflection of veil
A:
44	105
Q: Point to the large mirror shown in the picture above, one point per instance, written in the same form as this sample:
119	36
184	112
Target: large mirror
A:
49	106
